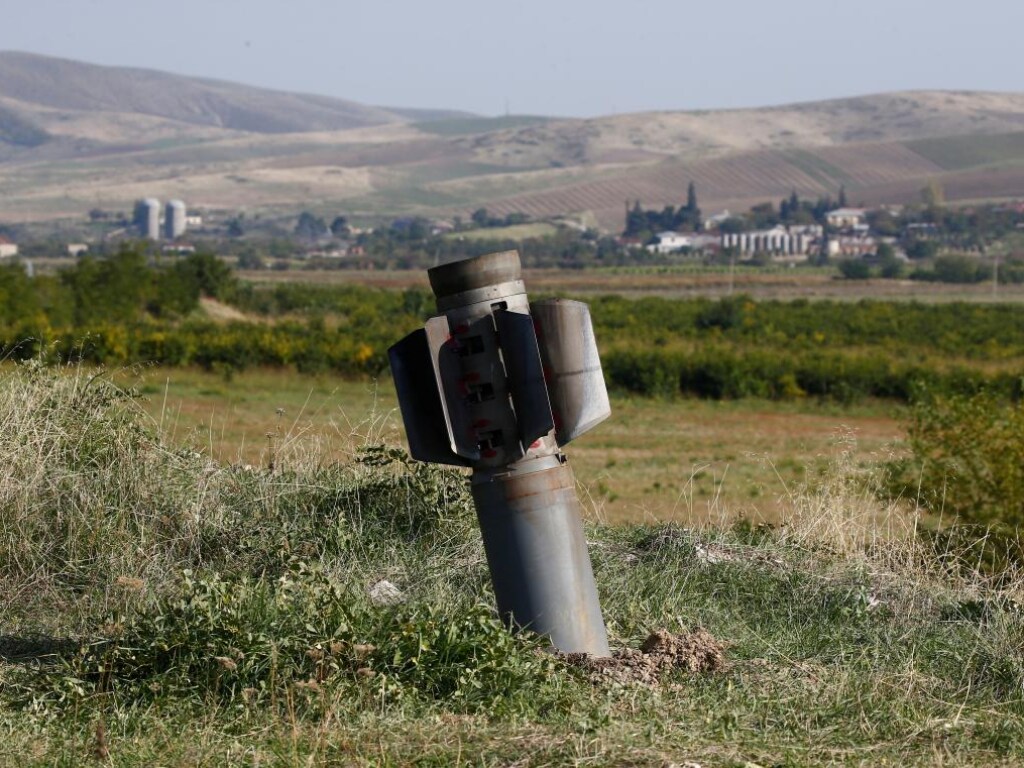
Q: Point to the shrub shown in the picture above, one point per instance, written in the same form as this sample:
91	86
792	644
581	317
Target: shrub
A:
854	269
968	458
83	479
960	269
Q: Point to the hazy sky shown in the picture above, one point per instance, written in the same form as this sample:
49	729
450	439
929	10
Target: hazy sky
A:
557	57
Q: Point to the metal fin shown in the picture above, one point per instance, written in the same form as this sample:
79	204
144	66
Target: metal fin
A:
524	374
444	356
426	426
572	366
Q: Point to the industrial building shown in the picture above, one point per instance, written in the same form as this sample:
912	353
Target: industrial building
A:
147	218
779	241
175	220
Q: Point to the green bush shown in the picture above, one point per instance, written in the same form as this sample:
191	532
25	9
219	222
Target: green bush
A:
729	348
854	269
968	458
955	268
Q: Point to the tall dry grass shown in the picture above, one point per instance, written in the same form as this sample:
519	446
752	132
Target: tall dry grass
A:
94	499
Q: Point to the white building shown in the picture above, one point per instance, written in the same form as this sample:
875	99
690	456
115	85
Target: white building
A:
147	218
669	242
713	222
846	218
7	248
811	230
852	246
777	241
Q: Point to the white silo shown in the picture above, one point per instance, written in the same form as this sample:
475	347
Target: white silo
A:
174	219
147	218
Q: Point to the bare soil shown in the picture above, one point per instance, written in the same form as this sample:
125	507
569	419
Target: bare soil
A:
659	656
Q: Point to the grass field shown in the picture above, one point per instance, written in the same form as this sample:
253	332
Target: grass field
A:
514	232
684	280
962	152
165	609
466	126
679	460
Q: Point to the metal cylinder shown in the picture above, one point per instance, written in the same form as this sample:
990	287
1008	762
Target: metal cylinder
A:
479	272
537	554
498	385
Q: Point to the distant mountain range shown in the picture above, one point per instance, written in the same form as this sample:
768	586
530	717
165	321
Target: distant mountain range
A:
74	136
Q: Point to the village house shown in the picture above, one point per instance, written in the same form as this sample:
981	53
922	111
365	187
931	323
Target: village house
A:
182	249
852	246
7	248
921	229
809	230
669	242
441	227
713	222
846	218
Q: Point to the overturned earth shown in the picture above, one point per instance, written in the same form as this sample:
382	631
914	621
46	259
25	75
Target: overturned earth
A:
660	654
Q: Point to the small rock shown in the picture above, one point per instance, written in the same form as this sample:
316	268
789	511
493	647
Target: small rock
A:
385	593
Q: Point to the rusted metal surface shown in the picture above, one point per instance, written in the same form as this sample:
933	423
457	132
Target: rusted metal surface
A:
469	274
537	555
525	374
505	384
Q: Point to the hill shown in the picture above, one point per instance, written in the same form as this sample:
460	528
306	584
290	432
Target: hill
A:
75	87
75	136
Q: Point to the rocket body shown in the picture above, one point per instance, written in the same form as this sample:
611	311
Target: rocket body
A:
498	384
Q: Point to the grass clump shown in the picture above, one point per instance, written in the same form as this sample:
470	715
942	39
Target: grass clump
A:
306	636
91	496
87	492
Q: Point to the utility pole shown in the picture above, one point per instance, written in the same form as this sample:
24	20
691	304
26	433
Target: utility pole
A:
995	273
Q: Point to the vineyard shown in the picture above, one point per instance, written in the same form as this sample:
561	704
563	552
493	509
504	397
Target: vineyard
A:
869	164
873	172
959	152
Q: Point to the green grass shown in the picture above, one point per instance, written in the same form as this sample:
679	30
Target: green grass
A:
957	153
464	126
163	608
428	173
514	232
654	460
817	168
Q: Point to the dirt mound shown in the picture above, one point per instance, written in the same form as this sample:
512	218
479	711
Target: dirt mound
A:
660	654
